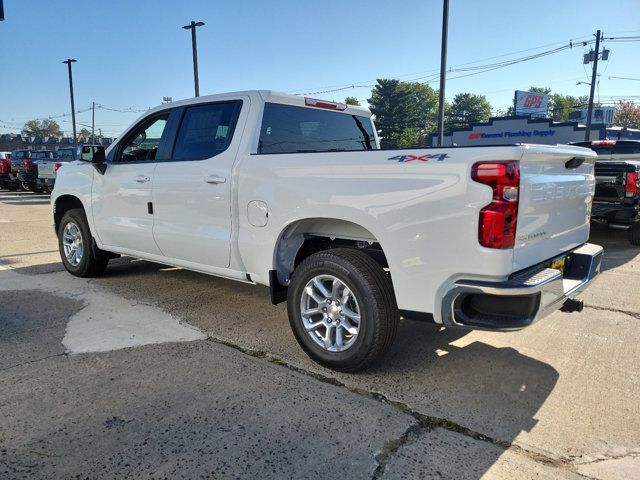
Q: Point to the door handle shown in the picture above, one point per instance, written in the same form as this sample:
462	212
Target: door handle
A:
215	179
142	179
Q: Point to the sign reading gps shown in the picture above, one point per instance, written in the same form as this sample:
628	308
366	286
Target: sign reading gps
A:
534	104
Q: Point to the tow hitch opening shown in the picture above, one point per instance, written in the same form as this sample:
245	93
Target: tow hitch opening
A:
572	305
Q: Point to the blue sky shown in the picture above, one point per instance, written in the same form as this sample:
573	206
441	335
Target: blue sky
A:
132	53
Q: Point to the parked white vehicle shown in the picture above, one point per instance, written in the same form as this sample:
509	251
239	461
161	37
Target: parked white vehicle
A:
293	193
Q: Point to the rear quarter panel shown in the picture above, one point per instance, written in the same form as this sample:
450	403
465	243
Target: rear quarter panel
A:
423	211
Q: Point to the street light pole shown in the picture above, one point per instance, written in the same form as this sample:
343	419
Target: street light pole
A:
587	132
69	61
443	70
192	26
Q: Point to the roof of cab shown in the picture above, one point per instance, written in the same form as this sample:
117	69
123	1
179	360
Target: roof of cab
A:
265	96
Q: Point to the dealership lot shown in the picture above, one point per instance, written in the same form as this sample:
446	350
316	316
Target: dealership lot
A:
156	371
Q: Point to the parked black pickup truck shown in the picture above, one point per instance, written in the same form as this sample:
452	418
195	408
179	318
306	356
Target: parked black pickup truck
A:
24	168
617	199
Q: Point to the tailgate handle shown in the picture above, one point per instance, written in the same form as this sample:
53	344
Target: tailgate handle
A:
575	162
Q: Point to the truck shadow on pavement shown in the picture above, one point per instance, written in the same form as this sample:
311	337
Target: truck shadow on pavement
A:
617	249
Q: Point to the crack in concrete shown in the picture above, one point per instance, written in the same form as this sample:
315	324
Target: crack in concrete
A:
35	360
615	310
424	423
391	447
606	458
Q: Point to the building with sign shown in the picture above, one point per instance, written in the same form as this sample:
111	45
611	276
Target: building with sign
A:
525	129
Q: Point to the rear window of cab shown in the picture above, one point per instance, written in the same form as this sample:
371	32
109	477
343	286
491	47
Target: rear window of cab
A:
291	129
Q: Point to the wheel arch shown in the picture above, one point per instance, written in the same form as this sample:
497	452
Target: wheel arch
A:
303	237
62	205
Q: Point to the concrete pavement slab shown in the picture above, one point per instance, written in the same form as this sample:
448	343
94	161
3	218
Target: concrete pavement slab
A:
188	410
444	454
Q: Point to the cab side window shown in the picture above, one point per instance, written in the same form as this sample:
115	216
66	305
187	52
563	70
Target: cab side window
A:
206	130
142	144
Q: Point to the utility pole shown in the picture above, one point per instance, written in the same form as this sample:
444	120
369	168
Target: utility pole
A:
192	26
443	70
587	132
93	122
69	61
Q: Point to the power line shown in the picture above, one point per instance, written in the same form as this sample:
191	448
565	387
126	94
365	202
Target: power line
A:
623	78
334	88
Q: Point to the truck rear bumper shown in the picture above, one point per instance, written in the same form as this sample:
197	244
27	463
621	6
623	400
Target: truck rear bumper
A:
525	297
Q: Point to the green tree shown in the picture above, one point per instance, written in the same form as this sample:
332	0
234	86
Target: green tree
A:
86	133
352	101
411	137
399	105
42	128
467	108
627	114
560	106
546	90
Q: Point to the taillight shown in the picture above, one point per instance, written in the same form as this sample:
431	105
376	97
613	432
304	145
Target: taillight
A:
632	184
497	225
56	167
5	166
314	102
27	164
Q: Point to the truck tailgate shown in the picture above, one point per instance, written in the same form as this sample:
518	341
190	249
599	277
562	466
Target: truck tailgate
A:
611	181
557	184
45	169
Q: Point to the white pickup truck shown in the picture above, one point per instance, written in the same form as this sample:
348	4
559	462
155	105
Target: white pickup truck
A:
294	193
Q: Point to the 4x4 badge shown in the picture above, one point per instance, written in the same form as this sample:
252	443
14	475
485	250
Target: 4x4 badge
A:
422	158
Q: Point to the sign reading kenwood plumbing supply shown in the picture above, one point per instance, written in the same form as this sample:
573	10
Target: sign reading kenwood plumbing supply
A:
534	104
511	134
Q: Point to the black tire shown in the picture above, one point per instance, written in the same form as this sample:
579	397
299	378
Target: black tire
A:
634	234
373	290
93	261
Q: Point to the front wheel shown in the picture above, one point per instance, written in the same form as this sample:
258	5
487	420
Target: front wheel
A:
78	255
342	309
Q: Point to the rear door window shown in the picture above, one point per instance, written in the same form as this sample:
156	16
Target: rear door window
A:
206	130
290	129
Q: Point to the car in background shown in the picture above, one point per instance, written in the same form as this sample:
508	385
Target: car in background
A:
617	199
18	160
48	168
5	170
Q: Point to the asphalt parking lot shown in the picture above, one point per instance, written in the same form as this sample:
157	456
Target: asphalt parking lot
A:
156	372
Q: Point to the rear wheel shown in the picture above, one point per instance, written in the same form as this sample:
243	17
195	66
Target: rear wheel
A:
79	256
634	234
342	309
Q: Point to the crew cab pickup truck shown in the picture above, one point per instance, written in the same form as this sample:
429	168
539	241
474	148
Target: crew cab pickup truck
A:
294	193
617	199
